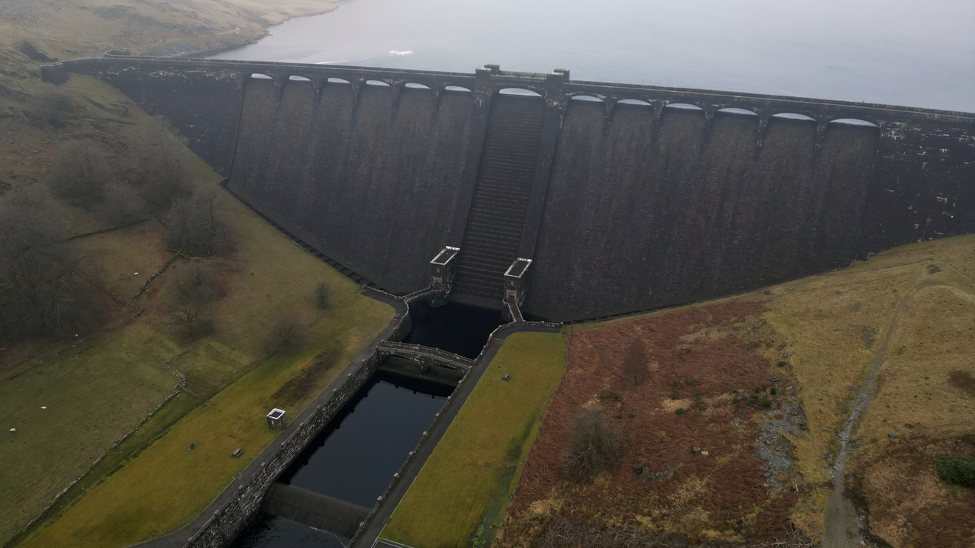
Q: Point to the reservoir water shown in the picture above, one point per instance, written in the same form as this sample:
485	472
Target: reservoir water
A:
900	52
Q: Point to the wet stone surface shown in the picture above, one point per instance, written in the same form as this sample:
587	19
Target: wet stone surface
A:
774	446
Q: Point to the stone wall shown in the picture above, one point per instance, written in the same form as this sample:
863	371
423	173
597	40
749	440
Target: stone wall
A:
227	522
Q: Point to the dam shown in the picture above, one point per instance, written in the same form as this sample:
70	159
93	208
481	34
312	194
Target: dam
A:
539	196
571	199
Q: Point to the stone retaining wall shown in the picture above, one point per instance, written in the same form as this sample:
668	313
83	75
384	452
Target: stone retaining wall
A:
227	522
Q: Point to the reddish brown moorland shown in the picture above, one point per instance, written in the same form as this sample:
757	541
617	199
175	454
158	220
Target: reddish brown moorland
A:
703	360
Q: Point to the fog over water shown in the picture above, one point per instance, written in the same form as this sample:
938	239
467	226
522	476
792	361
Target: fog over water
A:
902	52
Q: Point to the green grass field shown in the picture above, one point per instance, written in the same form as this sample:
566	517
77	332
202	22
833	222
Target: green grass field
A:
167	485
97	388
461	493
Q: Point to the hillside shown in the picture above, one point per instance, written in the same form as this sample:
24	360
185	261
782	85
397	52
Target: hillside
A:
71	28
879	354
104	394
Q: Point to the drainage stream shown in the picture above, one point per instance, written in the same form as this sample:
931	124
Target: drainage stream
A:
843	526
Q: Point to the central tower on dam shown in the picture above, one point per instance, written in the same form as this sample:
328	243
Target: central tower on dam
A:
615	198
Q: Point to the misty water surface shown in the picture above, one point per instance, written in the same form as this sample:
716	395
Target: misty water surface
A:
903	52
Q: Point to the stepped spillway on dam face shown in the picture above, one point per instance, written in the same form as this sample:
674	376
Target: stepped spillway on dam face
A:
497	215
631	205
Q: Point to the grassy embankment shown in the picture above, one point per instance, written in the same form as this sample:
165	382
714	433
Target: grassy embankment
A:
459	497
97	388
836	323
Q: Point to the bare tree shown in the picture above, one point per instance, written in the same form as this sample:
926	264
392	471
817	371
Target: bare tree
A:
80	172
197	227
634	360
167	174
595	443
122	202
56	108
285	334
195	288
44	288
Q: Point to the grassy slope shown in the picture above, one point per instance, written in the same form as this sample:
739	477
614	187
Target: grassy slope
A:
836	323
170	483
465	486
69	28
97	389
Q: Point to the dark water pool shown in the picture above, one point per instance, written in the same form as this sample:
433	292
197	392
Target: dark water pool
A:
355	457
456	328
274	532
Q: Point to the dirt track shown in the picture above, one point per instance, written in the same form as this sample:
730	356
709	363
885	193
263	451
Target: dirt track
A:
840	519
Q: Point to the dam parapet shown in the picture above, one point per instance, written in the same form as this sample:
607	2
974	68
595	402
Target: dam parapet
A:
624	197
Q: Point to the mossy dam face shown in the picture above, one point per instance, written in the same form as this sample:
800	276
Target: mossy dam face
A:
616	198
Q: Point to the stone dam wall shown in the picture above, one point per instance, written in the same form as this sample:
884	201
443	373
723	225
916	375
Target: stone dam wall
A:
625	197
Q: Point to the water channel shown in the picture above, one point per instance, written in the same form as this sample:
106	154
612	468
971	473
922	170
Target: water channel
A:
274	532
900	52
356	455
456	328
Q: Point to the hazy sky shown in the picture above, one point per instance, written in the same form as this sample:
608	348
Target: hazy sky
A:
895	51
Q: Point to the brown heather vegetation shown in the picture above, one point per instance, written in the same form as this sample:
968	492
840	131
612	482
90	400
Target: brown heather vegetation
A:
684	478
817	335
909	505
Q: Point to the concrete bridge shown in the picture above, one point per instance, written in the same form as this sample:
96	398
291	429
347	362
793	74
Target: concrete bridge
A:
619	197
425	355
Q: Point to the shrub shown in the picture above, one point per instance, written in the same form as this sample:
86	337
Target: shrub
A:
595	443
691	382
122	202
321	296
197	227
287	333
766	403
80	171
698	395
673	395
956	469
634	362
680	411
56	108
675	384
773	391
783	363
196	287
167	175
703	408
